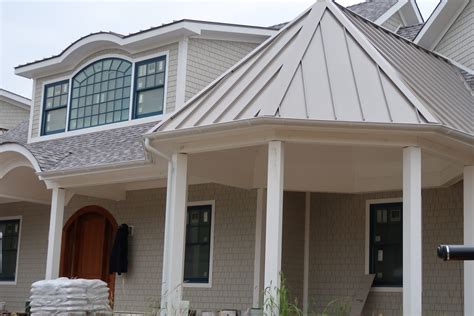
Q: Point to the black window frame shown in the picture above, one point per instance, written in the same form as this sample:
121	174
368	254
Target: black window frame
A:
45	111
136	90
202	208
107	102
372	243
17	249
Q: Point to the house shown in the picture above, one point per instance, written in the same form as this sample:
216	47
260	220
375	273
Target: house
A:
325	149
13	110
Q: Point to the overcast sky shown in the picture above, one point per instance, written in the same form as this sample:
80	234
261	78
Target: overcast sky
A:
32	30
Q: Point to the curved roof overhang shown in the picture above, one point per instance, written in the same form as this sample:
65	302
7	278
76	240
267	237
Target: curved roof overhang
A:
441	140
14	155
135	42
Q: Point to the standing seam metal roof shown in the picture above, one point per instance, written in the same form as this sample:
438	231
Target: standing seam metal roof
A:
319	68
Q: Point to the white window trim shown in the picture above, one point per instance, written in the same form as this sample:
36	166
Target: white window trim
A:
211	252
8	218
130	122
368	203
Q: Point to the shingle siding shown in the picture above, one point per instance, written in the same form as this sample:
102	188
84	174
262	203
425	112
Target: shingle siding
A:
393	23
172	50
207	59
337	248
458	42
11	116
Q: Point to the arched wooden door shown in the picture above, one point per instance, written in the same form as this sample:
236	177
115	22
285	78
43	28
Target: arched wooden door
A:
87	242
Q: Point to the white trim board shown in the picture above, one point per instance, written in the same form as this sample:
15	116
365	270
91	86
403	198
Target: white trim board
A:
211	252
7	218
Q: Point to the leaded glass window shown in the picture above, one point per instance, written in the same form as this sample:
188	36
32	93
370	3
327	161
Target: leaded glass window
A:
386	244
101	94
149	87
9	236
198	244
55	107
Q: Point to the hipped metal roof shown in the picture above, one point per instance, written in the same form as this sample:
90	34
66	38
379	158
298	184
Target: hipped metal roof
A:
330	64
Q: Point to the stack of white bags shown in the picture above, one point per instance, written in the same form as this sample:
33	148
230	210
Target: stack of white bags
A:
65	296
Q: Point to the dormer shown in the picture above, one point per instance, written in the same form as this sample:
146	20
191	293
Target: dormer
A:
107	80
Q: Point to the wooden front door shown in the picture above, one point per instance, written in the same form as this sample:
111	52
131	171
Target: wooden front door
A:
86	245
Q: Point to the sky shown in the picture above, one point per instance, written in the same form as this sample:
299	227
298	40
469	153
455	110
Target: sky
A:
31	30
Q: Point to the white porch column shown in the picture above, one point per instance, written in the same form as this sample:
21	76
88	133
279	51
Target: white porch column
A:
53	256
175	230
259	251
274	224
412	266
469	239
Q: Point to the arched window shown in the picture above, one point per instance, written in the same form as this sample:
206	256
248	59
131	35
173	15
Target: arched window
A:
101	94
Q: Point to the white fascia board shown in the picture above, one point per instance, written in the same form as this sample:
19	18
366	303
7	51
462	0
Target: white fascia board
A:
138	42
439	23
15	99
394	9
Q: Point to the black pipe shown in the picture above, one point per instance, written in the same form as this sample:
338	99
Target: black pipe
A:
455	252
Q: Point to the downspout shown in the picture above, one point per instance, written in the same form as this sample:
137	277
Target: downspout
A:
155	151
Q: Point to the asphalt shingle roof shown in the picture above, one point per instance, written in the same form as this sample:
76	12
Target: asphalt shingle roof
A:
120	145
372	9
410	32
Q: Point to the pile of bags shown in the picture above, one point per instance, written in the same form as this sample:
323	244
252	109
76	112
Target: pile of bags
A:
65	296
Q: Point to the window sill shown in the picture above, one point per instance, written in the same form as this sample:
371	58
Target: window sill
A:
7	283
197	285
387	289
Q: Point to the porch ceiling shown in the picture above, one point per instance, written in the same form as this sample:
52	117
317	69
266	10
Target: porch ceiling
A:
321	168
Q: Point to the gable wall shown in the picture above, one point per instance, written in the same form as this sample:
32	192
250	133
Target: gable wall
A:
393	23
171	83
11	115
207	59
458	42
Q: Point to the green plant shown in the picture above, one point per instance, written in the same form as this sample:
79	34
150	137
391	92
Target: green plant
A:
337	307
277	301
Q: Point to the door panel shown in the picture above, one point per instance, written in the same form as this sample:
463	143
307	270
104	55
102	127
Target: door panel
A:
87	242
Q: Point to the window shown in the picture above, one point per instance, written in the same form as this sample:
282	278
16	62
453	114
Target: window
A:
55	107
9	240
101	94
386	241
149	87
198	244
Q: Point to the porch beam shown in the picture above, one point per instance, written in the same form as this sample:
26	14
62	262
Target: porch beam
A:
412	239
274	225
468	238
55	233
175	230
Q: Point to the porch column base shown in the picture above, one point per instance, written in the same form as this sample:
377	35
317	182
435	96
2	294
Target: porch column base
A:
55	233
469	239
412	256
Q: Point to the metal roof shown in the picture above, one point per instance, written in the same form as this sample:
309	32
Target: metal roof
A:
433	79
331	66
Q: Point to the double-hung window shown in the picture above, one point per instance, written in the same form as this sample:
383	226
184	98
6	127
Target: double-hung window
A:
55	107
149	87
386	241
9	240
198	244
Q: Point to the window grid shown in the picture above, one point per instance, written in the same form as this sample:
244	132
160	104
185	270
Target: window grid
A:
198	241
55	102
101	94
149	78
386	244
10	231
